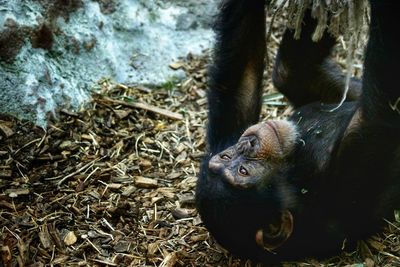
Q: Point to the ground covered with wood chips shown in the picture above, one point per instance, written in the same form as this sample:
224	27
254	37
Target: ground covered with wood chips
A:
113	184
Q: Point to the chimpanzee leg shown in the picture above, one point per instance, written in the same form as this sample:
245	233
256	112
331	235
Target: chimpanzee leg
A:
304	73
368	159
380	100
236	74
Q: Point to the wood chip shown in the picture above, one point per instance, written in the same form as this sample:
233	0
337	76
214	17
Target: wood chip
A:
122	114
45	238
65	144
114	186
377	245
187	199
176	65
70	238
128	191
369	262
5	130
105	262
69	113
197	238
145	163
5	173
55	235
143	182
17	192
6	255
180	213
7	205
170	260
174	175
152	248
122	246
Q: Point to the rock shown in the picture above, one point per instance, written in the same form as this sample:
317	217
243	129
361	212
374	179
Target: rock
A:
51	54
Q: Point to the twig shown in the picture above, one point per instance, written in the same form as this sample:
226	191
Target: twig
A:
86	166
389	255
144	106
105	262
26	145
96	248
137	142
106	223
395	106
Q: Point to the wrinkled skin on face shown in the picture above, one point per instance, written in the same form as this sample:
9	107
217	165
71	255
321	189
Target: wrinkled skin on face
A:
261	148
250	163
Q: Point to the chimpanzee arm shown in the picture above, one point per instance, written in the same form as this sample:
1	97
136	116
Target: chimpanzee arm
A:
380	100
303	71
236	74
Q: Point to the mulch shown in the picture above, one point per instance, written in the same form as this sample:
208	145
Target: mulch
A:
113	184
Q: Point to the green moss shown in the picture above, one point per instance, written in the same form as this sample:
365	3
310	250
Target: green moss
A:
171	84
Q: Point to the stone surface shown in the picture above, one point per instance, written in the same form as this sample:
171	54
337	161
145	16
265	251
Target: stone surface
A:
52	52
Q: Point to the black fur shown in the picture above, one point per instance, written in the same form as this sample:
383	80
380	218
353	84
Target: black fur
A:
305	74
239	42
343	178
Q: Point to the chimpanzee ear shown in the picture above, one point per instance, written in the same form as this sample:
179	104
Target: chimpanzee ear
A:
276	234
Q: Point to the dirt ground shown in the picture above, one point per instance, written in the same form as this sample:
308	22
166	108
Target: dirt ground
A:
113	184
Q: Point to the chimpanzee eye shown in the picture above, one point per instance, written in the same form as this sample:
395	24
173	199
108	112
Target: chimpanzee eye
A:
225	157
243	171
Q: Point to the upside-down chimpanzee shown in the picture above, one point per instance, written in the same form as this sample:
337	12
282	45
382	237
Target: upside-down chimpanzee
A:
312	184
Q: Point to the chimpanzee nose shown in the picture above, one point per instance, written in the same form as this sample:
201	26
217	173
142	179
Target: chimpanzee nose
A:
215	165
